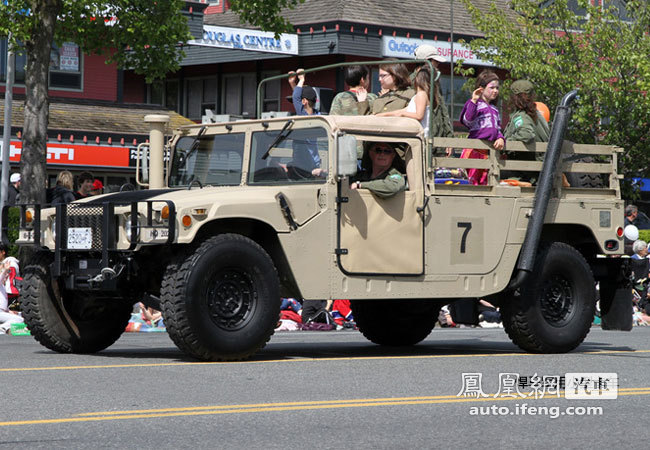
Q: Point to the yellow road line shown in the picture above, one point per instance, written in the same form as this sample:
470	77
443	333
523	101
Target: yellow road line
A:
628	391
294	360
275	407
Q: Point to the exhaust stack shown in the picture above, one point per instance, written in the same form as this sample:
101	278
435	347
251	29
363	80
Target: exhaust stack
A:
157	124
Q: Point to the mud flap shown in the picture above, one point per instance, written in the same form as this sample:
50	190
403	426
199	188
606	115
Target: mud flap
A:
616	307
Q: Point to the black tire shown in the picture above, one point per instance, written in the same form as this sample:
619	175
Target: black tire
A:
553	311
64	321
221	301
585	180
395	322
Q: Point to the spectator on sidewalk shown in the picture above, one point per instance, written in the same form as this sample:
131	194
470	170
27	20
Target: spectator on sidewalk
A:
85	182
98	188
62	191
637	218
9	274
14	189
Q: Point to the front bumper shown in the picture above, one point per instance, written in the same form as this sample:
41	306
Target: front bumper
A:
93	232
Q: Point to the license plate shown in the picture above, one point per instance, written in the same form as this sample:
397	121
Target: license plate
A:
26	236
158	233
80	238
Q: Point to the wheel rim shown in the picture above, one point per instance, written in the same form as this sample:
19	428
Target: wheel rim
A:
557	300
231	297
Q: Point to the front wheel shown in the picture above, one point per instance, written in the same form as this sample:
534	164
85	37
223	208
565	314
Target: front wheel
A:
222	300
68	321
554	309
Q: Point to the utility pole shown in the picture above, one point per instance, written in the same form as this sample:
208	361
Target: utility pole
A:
451	39
6	137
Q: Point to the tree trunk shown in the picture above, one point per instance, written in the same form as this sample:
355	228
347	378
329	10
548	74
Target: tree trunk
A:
37	102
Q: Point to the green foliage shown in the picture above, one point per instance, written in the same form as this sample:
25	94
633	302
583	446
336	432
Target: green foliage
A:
137	34
644	235
12	233
264	13
600	54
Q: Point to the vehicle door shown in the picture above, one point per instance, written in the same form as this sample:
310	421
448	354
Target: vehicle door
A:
383	236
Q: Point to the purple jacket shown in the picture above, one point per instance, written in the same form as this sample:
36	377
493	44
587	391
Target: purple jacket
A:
482	119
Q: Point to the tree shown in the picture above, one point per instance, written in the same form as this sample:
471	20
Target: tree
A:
142	35
265	14
602	53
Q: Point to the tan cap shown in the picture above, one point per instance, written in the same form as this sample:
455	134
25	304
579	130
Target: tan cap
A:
426	51
522	87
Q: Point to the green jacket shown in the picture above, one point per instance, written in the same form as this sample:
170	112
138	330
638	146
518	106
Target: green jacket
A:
385	185
522	128
440	125
346	104
390	101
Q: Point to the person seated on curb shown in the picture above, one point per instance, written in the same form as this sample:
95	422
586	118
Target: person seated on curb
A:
382	170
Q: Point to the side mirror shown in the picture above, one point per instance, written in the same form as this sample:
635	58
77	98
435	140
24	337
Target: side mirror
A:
347	155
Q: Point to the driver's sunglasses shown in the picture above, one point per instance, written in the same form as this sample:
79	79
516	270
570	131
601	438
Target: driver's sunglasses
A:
385	151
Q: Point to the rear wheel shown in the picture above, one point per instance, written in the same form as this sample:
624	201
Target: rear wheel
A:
395	322
67	321
553	311
222	300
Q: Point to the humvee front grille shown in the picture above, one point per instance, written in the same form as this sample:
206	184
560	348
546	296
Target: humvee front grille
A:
86	217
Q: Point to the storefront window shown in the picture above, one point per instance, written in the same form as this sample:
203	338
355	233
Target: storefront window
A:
164	93
19	67
460	95
201	95
65	66
271	93
238	94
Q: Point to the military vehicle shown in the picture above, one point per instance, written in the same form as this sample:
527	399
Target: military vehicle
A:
236	218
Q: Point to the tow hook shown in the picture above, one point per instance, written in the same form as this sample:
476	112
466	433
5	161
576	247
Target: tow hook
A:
107	273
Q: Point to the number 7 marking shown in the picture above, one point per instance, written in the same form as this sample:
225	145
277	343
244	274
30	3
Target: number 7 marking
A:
463	240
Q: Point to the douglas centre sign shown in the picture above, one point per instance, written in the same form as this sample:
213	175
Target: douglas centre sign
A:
243	39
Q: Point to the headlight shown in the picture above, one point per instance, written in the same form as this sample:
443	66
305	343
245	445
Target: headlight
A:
127	226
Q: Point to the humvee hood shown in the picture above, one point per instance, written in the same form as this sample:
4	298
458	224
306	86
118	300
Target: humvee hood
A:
131	196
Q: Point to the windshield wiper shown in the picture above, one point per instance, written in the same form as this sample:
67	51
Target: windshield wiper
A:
279	138
193	147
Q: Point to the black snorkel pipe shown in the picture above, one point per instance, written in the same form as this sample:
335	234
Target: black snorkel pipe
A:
543	192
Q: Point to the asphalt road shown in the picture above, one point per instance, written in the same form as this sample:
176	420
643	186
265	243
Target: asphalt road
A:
320	390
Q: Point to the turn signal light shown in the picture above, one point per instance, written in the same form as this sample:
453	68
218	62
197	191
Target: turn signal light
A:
29	216
619	231
165	212
187	221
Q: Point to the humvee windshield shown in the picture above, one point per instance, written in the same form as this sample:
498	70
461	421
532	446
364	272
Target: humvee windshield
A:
291	159
214	160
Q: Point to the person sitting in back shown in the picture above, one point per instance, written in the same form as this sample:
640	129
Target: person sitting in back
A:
304	97
345	103
396	91
382	170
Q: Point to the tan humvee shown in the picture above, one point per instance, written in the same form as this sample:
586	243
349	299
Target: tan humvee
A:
241	221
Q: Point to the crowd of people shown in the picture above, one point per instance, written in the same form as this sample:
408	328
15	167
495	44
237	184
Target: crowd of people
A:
639	250
63	190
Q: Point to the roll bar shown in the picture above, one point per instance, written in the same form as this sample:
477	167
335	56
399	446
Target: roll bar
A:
357	63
